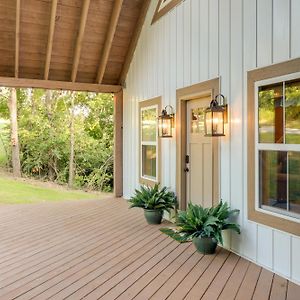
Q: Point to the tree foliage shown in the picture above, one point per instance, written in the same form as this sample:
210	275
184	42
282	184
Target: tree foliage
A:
44	132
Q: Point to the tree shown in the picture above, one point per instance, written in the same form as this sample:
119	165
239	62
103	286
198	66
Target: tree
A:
72	142
15	148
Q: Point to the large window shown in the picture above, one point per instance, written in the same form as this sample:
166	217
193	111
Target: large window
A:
149	143
277	146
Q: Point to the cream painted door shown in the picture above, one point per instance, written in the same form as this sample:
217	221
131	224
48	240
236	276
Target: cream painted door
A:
199	156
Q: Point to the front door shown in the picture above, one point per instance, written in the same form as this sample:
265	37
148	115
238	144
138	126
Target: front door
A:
199	156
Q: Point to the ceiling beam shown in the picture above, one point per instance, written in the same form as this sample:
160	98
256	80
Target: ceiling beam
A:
84	13
50	38
109	38
58	85
134	41
17	37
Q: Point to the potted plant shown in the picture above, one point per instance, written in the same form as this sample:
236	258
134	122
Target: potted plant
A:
204	226
154	201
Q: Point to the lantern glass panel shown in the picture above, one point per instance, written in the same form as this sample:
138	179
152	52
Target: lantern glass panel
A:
208	122
217	122
165	126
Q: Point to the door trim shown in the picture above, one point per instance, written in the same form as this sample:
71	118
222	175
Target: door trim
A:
206	88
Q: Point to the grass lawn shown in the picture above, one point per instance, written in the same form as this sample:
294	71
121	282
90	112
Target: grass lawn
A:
15	191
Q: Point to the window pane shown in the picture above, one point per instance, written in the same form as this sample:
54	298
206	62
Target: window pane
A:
273	179
294	182
149	125
270	114
197	120
292	112
149	161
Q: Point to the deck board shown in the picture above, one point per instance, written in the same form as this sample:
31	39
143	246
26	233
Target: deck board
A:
102	250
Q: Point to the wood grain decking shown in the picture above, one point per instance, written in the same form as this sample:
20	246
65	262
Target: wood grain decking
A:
102	250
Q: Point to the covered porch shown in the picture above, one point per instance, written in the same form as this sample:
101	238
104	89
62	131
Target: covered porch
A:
102	250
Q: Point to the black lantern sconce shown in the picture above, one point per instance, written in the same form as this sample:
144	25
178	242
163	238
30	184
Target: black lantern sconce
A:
166	122
216	117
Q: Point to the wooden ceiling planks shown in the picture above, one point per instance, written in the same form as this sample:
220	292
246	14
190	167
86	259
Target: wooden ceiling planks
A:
7	37
84	41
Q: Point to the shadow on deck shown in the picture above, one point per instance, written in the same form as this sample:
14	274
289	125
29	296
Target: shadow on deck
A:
102	250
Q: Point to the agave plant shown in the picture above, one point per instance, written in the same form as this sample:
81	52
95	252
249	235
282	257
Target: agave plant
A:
197	221
154	198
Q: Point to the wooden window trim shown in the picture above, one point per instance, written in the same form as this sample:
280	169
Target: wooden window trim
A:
161	12
276	70
143	104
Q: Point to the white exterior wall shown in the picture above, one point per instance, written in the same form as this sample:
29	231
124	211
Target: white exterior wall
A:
201	40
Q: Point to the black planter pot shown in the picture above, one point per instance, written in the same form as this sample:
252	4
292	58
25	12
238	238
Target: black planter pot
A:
153	216
205	245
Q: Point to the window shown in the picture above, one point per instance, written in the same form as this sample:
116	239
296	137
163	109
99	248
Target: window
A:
273	150
278	145
149	143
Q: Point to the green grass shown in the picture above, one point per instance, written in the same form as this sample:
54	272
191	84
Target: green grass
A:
13	191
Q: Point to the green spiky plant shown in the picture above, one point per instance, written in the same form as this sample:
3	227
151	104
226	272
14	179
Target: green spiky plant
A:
154	198
201	222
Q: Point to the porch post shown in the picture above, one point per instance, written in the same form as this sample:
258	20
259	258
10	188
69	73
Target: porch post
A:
118	144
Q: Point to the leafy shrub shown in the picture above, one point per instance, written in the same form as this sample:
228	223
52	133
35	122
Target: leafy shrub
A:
154	198
197	221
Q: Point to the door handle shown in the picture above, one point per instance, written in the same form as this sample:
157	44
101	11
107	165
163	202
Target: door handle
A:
186	170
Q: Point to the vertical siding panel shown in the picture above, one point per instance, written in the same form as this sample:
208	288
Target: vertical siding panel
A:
250	228
295	25
224	56
179	57
135	132
166	100
213	38
126	132
264	57
173	70
295	265
187	43
282	253
281	30
236	120
264	247
195	41
264	32
204	40
151	64
159	58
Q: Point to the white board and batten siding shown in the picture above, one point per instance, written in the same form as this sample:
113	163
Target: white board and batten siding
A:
200	40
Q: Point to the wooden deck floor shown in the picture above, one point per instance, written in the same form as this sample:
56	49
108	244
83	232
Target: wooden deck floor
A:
102	250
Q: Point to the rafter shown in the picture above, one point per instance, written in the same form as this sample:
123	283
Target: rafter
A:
84	13
17	37
58	85
134	41
109	38
50	38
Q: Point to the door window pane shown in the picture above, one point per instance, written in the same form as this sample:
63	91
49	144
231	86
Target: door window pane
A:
292	112
270	114
149	161
197	120
294	182
273	179
149	125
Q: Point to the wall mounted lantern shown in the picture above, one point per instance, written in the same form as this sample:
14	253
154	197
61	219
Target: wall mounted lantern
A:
166	122
216	117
